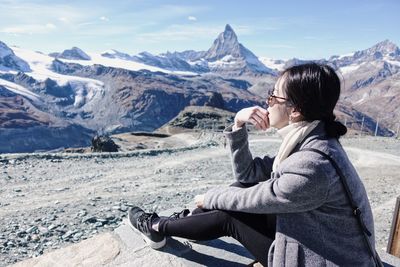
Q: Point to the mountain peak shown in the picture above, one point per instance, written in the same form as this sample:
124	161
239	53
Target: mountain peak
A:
225	44
386	47
229	34
74	53
226	51
228	28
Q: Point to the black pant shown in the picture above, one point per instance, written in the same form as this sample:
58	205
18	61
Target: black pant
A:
254	231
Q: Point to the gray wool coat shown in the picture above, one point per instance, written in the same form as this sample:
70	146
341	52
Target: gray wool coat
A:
315	224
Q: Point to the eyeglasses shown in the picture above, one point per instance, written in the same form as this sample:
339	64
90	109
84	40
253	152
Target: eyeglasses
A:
271	100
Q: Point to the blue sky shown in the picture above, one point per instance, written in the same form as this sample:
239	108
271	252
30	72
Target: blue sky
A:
283	29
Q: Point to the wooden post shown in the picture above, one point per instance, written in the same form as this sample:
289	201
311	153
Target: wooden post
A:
394	237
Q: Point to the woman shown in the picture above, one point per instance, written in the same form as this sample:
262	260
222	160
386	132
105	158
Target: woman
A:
291	210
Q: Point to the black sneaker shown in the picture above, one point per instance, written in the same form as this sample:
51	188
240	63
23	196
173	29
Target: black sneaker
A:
140	222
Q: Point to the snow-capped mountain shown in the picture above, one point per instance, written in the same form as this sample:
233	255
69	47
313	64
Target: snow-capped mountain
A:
8	60
73	53
372	81
227	55
74	98
75	94
116	54
169	62
386	51
187	55
274	64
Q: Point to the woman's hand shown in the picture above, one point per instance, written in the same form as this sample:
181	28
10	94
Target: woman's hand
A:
199	201
257	116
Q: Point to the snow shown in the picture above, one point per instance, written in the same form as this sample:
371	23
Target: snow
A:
121	63
86	88
272	63
110	51
40	65
19	89
349	68
227	60
396	63
346	55
200	62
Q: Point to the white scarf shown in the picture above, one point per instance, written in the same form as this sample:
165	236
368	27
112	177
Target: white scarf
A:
292	135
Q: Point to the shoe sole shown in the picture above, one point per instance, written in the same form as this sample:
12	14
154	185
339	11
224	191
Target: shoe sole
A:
148	241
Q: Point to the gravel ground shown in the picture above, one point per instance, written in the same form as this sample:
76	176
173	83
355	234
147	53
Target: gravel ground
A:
50	200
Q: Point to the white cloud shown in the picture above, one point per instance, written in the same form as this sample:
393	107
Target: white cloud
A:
164	12
35	14
87	23
103	18
50	26
192	18
29	29
64	20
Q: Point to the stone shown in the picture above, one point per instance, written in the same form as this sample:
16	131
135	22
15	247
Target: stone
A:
21	234
103	143
81	213
35	238
98	224
68	234
116	207
89	219
97	251
52	226
32	229
78	235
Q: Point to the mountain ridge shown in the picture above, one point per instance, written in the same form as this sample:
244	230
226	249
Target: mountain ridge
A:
116	92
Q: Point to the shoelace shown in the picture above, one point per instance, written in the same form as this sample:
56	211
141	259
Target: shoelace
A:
180	214
143	220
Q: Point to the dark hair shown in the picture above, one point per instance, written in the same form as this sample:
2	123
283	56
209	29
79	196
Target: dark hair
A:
314	90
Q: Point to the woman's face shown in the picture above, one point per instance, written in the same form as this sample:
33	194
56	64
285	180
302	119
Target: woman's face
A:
278	108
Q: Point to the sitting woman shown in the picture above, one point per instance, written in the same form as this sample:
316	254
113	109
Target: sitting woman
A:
293	209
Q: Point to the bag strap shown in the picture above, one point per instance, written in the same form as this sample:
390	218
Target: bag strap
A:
356	210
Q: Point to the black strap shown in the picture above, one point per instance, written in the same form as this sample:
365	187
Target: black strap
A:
356	210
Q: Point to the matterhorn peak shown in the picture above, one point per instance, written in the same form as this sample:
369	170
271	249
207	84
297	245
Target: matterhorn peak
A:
229	33
225	44
226	48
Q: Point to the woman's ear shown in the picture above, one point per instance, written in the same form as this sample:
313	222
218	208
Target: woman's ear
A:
295	115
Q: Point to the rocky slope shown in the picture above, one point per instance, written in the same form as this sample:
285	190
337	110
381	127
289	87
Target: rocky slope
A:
51	200
199	118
